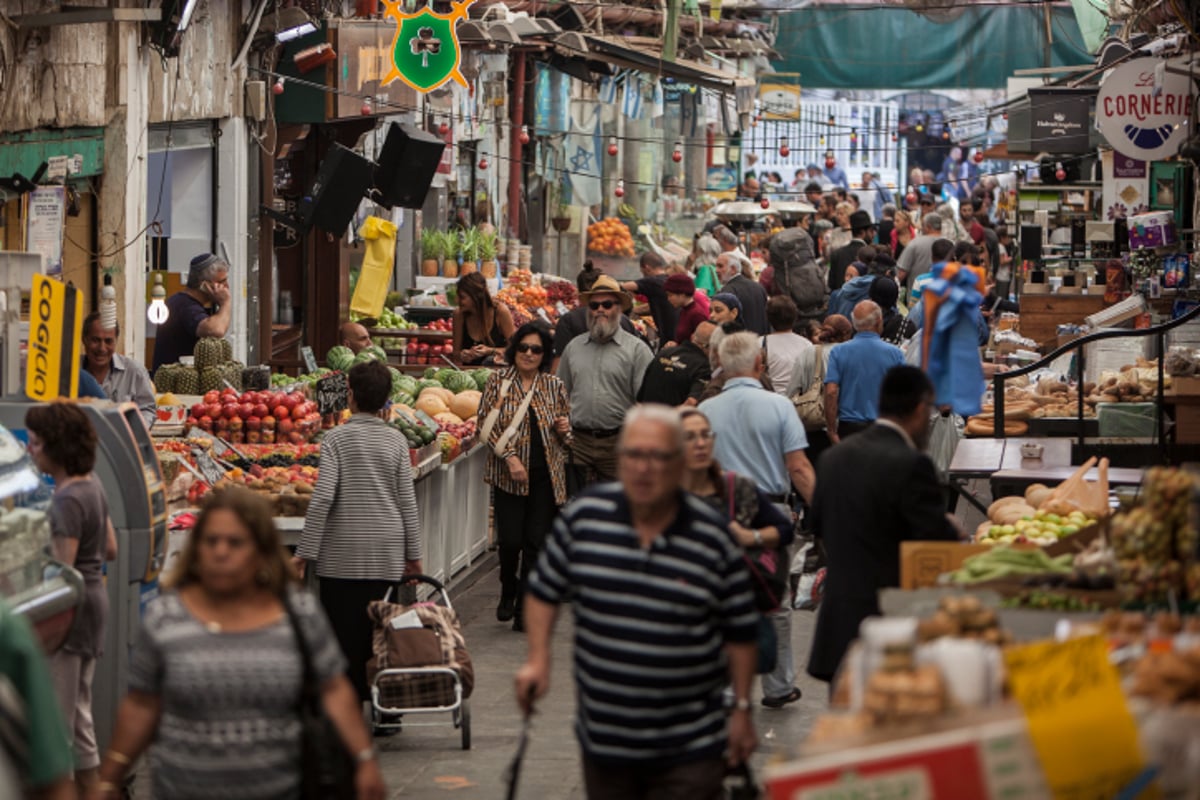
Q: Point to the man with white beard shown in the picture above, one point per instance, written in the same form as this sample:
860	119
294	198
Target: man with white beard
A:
603	373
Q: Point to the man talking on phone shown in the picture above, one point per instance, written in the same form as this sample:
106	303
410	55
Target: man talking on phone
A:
201	309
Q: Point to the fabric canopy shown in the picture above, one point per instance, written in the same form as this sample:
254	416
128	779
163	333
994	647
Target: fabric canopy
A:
894	48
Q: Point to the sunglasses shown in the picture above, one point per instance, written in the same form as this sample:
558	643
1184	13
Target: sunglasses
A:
596	305
536	349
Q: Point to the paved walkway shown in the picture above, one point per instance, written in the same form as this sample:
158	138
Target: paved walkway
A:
429	762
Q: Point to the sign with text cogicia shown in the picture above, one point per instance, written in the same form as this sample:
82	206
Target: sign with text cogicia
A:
425	51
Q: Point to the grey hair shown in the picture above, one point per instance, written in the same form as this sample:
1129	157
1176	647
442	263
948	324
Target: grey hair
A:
866	315
726	236
714	345
932	221
205	268
738	353
707	249
888	208
658	413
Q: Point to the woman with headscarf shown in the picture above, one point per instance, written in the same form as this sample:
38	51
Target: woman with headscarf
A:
725	309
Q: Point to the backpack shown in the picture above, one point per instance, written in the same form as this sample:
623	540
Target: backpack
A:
810	404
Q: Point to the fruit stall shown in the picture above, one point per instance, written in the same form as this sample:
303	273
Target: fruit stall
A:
1060	650
269	442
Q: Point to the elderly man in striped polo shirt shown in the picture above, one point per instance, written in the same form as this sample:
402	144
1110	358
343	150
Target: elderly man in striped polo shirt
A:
664	621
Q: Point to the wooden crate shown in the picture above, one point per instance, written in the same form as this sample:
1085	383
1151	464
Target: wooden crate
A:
1041	314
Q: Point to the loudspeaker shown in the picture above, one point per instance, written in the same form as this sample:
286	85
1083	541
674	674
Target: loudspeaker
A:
1031	243
342	181
1121	235
408	161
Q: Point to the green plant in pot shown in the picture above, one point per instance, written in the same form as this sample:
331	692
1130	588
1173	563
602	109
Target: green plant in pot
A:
470	250
431	251
489	248
451	250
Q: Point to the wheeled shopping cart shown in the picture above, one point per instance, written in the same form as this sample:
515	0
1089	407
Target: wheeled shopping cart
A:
420	663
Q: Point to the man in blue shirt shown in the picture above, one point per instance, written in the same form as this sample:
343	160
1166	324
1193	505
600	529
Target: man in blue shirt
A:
855	373
759	435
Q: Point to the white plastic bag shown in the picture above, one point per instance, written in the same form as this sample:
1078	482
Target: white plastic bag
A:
947	429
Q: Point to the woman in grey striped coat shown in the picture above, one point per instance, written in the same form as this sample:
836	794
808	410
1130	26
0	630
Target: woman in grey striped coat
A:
362	529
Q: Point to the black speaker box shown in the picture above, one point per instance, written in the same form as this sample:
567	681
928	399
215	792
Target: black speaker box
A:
408	161
1031	243
342	181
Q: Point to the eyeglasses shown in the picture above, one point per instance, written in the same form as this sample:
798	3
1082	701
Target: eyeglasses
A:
657	458
704	436
536	349
596	305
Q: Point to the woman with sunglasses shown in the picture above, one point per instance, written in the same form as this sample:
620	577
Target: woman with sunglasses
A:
527	459
754	520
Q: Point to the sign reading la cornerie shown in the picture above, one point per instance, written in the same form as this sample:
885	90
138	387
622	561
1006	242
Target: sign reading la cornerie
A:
1143	109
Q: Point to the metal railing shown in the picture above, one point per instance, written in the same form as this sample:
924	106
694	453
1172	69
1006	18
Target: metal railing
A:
1157	331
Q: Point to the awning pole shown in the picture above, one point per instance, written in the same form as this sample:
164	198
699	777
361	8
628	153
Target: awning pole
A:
671	35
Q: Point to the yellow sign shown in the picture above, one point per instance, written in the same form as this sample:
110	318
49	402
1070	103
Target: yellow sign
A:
55	328
1083	733
779	101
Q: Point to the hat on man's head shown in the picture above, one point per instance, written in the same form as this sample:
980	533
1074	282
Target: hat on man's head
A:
729	300
679	284
860	221
202	264
605	284
977	234
813	186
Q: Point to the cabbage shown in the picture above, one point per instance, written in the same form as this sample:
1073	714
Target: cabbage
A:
339	357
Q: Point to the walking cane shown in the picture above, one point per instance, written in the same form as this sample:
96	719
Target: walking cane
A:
513	773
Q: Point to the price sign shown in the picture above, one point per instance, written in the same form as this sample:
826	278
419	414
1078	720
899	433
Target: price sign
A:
426	420
310	361
209	468
1083	733
333	393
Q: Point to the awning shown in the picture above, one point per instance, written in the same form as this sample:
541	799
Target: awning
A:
620	54
25	151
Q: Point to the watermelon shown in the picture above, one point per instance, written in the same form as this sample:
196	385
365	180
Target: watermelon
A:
406	383
403	397
443	375
459	382
480	377
376	351
425	383
339	357
430	372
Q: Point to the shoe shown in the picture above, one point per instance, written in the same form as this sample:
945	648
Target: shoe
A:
780	702
518	624
506	609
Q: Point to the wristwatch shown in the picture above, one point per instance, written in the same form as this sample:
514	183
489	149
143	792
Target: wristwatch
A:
741	704
365	755
757	537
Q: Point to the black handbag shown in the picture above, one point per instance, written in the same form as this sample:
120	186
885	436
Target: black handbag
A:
326	769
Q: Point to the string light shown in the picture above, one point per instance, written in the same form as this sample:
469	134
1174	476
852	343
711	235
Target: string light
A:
1060	174
978	156
277	89
620	190
765	202
523	136
444	128
366	107
784	150
483	162
677	153
612	146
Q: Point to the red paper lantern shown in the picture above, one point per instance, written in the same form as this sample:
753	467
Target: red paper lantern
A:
978	156
612	147
366	107
765	202
523	136
677	154
443	129
1060	174
783	147
483	163
620	190
277	89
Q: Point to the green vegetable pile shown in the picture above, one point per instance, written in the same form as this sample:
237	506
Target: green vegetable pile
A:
1005	562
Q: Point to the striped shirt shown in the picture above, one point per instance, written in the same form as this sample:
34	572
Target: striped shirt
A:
650	625
362	520
549	402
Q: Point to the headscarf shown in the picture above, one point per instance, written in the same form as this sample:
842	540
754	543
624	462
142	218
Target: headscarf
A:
729	300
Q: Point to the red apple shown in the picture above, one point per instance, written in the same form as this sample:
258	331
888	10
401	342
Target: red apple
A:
212	397
246	397
291	400
296	438
228	395
260	409
268	423
221	424
268	437
237	437
285	425
253	423
213	410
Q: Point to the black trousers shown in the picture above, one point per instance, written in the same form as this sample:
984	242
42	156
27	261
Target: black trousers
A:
345	603
522	524
847	428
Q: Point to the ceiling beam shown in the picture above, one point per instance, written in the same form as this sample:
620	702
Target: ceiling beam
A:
88	16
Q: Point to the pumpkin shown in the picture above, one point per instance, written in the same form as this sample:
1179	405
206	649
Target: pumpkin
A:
446	418
431	404
466	404
445	395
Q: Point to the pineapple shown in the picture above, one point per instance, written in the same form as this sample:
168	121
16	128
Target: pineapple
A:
226	350
187	380
164	378
210	380
231	373
209	352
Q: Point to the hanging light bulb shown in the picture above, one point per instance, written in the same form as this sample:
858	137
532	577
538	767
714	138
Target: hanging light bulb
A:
946	131
910	198
443	128
821	141
277	89
1060	174
108	305
1004	116
978	156
157	313
612	146
366	107
677	153
620	190
920	127
783	147
764	201
483	162
523	136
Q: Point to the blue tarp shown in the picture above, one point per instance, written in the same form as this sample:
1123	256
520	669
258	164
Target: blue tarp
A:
849	47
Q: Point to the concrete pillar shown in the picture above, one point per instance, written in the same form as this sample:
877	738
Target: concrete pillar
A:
122	207
233	231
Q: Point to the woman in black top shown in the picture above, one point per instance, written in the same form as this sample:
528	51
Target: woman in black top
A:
482	327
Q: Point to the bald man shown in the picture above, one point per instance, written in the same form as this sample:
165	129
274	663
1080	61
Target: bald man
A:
355	337
854	374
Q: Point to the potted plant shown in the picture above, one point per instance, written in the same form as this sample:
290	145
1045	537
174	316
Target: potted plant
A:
489	248
431	251
562	212
470	250
451	250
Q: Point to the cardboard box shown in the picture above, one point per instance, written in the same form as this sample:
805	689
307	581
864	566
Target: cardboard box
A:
1187	423
1154	229
1185	385
922	562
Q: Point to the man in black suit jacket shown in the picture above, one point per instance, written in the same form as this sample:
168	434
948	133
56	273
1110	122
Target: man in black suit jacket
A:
864	233
750	294
874	491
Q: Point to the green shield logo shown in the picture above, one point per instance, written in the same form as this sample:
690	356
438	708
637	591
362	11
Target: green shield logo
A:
425	52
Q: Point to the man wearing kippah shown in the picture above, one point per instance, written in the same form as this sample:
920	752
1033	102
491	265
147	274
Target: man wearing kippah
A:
201	309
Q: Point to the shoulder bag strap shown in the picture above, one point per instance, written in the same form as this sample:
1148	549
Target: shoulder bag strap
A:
489	422
309	694
511	430
820	356
729	492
